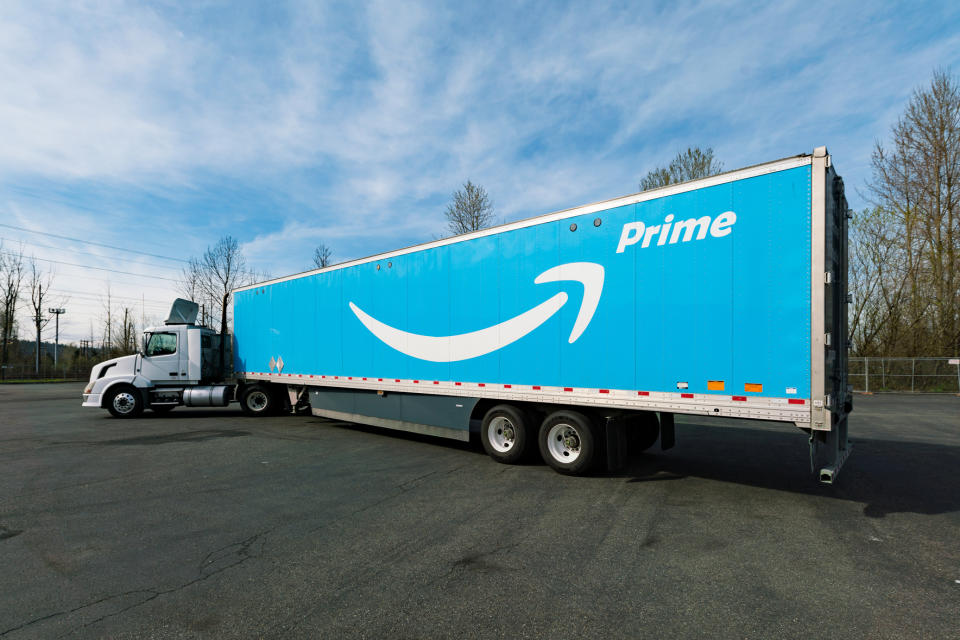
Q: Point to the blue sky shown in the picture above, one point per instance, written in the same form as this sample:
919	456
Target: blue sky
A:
163	126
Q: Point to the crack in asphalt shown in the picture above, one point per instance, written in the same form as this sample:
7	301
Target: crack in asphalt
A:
215	562
479	562
7	532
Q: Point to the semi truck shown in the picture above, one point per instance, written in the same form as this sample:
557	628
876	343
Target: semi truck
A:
578	334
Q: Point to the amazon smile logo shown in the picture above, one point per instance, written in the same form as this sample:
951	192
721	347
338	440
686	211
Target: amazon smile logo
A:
478	343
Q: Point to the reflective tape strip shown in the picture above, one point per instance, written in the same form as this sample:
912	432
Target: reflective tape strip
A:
779	408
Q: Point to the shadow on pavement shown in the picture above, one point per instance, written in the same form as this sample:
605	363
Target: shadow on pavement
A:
887	476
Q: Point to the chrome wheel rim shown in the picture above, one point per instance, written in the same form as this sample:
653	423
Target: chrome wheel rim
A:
124	402
563	442
501	434
257	401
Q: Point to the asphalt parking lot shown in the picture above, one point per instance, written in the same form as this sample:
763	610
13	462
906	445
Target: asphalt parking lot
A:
204	523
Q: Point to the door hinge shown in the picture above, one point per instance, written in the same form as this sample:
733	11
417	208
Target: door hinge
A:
827	277
827	339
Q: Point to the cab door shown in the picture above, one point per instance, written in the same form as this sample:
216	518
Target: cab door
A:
161	360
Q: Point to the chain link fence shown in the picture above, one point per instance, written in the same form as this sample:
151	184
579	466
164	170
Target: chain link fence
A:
28	372
910	375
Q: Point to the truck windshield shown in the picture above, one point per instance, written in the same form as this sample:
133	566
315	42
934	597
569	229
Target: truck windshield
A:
161	344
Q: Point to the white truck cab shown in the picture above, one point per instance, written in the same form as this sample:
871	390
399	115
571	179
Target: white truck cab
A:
179	363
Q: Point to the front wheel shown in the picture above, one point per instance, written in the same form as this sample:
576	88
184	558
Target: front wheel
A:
124	401
568	443
256	400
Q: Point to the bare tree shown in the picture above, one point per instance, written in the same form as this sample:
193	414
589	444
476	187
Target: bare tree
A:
213	276
106	340
912	295
470	210
877	272
322	255
40	285
189	282
11	279
687	165
126	331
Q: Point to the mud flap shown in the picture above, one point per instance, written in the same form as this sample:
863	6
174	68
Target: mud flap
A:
668	434
615	441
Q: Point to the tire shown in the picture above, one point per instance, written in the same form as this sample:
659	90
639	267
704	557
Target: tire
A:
568	442
506	434
163	408
643	429
124	401
258	400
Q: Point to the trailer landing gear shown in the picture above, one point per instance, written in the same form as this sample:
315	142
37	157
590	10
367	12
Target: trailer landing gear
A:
828	451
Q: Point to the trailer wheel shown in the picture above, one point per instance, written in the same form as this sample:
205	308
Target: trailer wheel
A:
505	433
643	429
256	400
124	401
567	442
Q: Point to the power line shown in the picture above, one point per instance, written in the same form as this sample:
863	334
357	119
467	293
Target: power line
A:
111	280
96	255
86	302
102	297
93	300
99	244
95	295
120	282
86	266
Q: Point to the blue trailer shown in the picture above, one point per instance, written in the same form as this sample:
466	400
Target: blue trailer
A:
579	333
575	331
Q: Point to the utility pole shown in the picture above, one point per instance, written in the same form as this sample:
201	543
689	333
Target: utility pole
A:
56	344
38	319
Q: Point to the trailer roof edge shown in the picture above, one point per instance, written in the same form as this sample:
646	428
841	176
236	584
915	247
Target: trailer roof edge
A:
721	178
